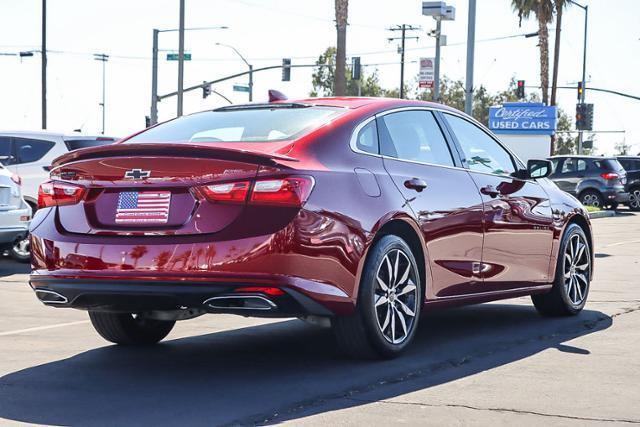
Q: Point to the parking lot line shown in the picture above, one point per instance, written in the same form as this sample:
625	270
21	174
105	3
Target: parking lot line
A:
42	328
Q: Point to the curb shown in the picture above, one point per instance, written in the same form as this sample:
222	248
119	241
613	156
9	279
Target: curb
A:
601	214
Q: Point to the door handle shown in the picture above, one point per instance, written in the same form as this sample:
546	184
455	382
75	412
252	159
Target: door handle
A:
490	191
415	184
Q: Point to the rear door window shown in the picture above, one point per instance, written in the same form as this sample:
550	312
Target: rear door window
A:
572	165
31	150
367	139
415	136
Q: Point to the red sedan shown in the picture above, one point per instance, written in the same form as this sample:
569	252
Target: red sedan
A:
354	212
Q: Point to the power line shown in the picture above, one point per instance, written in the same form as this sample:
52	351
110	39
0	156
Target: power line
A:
403	28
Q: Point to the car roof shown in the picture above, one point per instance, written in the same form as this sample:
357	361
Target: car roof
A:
353	102
581	156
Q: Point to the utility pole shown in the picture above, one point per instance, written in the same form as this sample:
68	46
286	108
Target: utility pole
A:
471	40
180	58
44	64
403	31
102	58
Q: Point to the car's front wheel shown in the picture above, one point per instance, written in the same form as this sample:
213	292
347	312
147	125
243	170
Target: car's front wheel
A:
388	306
129	329
573	276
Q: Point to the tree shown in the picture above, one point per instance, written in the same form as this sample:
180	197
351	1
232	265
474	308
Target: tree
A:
559	6
323	79
342	11
622	148
543	10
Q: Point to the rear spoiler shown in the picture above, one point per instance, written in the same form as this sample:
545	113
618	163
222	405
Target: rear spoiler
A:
171	149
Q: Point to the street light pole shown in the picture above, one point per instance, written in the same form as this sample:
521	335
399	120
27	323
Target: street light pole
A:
584	66
471	40
180	58
44	64
153	117
248	65
436	82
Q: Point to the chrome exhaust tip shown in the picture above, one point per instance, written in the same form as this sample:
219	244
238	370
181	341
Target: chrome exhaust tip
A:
240	302
50	297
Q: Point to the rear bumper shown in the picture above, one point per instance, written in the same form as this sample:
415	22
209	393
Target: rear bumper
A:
616	196
147	295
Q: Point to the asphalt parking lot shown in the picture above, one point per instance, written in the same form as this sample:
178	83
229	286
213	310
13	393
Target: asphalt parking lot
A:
496	363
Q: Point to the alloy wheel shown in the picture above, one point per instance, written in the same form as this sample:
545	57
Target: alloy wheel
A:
591	200
396	295
634	199
577	270
22	248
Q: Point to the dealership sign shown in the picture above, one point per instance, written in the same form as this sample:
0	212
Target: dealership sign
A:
523	117
426	76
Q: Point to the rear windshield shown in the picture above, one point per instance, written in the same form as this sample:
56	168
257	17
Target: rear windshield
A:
609	165
75	144
240	125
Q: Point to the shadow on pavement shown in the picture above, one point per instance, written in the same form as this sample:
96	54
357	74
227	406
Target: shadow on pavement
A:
248	375
9	267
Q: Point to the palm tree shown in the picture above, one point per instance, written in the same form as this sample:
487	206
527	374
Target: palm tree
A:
342	12
559	6
543	9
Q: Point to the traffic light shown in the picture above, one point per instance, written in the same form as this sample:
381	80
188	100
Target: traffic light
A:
520	89
286	69
584	116
206	90
355	68
580	89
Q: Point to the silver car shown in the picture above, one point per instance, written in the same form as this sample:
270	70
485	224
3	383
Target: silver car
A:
15	215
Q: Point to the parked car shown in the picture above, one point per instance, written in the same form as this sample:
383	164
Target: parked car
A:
29	155
354	212
15	215
595	181
631	165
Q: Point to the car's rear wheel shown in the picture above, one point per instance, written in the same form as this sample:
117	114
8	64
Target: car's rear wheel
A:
634	199
129	329
592	198
388	306
573	276
21	250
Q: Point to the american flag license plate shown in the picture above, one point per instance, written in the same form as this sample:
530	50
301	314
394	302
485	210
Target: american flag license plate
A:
143	207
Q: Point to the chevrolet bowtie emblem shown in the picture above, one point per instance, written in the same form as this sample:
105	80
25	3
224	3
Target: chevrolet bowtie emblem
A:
137	174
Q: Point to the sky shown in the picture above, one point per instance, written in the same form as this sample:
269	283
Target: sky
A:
265	31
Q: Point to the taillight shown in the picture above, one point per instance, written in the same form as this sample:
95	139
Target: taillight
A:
53	193
16	178
232	192
609	175
290	191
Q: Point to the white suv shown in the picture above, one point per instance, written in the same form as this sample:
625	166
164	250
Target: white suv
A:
29	155
15	215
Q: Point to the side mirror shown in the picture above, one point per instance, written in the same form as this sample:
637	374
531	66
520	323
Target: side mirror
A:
537	169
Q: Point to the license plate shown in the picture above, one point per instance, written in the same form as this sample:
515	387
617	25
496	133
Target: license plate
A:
143	207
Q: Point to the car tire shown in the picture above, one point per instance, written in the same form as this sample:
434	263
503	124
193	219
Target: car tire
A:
592	198
570	288
634	199
388	306
128	329
21	250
